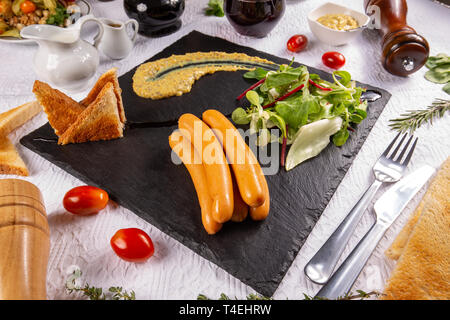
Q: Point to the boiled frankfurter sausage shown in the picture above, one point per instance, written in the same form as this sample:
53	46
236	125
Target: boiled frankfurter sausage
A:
261	212
240	210
178	143
249	175
215	163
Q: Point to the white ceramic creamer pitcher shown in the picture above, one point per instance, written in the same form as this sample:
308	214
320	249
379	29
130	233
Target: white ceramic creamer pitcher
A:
64	59
116	43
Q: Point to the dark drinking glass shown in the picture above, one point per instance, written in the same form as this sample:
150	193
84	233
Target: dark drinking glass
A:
156	18
255	18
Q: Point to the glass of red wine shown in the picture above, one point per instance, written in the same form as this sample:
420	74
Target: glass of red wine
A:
254	18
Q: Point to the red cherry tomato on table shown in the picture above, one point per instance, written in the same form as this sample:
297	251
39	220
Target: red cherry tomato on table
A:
297	43
333	60
132	245
28	7
85	200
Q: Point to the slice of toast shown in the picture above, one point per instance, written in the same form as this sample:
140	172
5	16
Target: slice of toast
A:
108	76
61	110
440	189
423	269
16	117
10	161
99	121
395	250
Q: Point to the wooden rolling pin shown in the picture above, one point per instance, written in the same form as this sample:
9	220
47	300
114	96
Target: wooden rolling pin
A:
403	50
24	241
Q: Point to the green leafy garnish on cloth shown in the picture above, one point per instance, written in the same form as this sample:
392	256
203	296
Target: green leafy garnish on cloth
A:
95	293
215	8
439	72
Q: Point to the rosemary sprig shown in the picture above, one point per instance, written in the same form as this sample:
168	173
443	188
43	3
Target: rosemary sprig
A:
360	294
94	293
413	119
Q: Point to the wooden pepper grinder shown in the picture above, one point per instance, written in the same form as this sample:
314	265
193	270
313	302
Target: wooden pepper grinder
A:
404	51
24	241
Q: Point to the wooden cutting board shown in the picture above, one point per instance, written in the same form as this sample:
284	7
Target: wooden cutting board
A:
138	173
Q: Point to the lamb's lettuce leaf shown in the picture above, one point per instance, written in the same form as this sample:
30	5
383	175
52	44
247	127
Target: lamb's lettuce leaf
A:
258	74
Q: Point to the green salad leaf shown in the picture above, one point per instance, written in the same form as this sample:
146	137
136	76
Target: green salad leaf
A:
308	110
279	79
253	97
240	116
345	77
341	137
439	72
277	121
434	61
311	139
435	76
258	73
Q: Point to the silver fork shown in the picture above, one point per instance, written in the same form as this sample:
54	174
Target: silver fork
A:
388	168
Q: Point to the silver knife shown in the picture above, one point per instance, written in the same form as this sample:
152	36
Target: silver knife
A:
387	208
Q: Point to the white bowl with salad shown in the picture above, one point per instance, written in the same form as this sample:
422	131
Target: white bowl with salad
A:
17	14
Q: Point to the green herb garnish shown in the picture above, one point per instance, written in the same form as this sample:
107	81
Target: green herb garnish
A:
413	119
58	17
215	8
439	72
94	293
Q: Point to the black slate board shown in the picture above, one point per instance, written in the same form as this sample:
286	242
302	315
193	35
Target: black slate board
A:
138	173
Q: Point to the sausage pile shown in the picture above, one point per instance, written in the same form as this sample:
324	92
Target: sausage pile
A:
208	149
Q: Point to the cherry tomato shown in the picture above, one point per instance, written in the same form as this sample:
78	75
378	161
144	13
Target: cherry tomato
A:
85	200
333	60
297	43
27	7
132	245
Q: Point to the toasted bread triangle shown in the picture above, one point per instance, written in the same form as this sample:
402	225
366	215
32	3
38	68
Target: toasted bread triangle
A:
438	189
10	160
61	110
423	269
16	117
108	76
99	121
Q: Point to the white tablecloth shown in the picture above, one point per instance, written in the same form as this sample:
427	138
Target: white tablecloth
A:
176	272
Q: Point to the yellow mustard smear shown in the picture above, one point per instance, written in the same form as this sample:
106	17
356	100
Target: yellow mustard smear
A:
338	22
175	75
